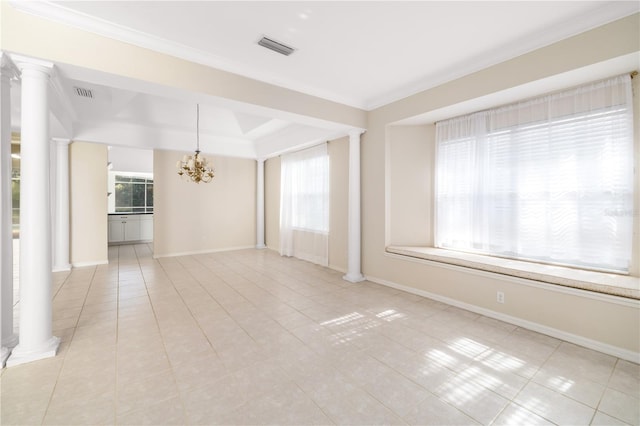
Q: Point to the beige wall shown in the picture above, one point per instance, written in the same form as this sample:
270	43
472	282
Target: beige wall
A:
338	202
595	319
410	155
88	203
192	218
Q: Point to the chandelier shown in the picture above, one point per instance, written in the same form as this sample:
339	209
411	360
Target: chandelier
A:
195	168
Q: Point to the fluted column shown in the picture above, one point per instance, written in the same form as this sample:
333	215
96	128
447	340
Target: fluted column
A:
7	71
260	205
354	273
61	208
36	339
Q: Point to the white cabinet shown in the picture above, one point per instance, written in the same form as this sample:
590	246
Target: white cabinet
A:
116	229
132	228
146	227
126	228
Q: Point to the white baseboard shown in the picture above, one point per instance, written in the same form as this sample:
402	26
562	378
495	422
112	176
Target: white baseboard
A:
190	253
61	268
530	325
89	263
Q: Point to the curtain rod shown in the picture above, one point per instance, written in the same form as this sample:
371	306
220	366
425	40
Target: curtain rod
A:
634	73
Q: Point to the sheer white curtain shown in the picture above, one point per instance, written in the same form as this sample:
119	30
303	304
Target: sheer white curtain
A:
548	179
304	205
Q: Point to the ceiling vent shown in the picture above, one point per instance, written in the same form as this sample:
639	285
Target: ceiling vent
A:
83	93
276	46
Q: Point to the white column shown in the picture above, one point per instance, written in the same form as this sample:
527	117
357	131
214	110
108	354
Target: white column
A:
36	339
354	273
61	208
8	338
260	206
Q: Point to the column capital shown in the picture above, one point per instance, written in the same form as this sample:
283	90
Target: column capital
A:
61	141
261	159
27	63
355	133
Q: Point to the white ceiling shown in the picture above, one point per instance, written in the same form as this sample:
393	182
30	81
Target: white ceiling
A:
364	54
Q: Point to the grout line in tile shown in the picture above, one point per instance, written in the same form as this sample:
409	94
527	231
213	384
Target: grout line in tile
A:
155	315
44	416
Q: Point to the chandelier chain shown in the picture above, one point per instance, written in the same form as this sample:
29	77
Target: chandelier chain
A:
197	127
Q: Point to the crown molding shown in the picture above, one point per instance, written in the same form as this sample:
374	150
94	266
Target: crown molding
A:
606	14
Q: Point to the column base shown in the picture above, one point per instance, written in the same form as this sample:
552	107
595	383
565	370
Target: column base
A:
21	356
61	268
261	246
4	354
354	278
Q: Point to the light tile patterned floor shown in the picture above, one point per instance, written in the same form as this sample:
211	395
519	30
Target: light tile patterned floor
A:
248	337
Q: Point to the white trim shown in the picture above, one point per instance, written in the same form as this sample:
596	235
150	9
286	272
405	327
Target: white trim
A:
25	61
61	268
354	210
89	263
22	356
190	253
530	325
618	300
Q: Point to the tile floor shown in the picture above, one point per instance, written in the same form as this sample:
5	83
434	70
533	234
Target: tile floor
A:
248	337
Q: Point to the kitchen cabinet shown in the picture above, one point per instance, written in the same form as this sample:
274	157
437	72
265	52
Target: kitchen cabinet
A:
130	227
146	227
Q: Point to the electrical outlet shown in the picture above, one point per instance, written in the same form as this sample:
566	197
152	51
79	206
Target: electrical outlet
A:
500	297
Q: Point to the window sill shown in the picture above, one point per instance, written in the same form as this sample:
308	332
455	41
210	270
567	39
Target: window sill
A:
600	282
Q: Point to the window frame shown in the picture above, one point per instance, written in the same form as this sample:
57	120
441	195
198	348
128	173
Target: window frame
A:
142	179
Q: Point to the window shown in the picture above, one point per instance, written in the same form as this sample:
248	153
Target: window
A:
548	179
133	194
309	192
304	204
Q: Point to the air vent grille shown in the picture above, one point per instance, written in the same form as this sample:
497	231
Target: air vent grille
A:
276	46
83	93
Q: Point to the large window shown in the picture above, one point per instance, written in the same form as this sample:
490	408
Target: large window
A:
304	204
548	179
133	194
